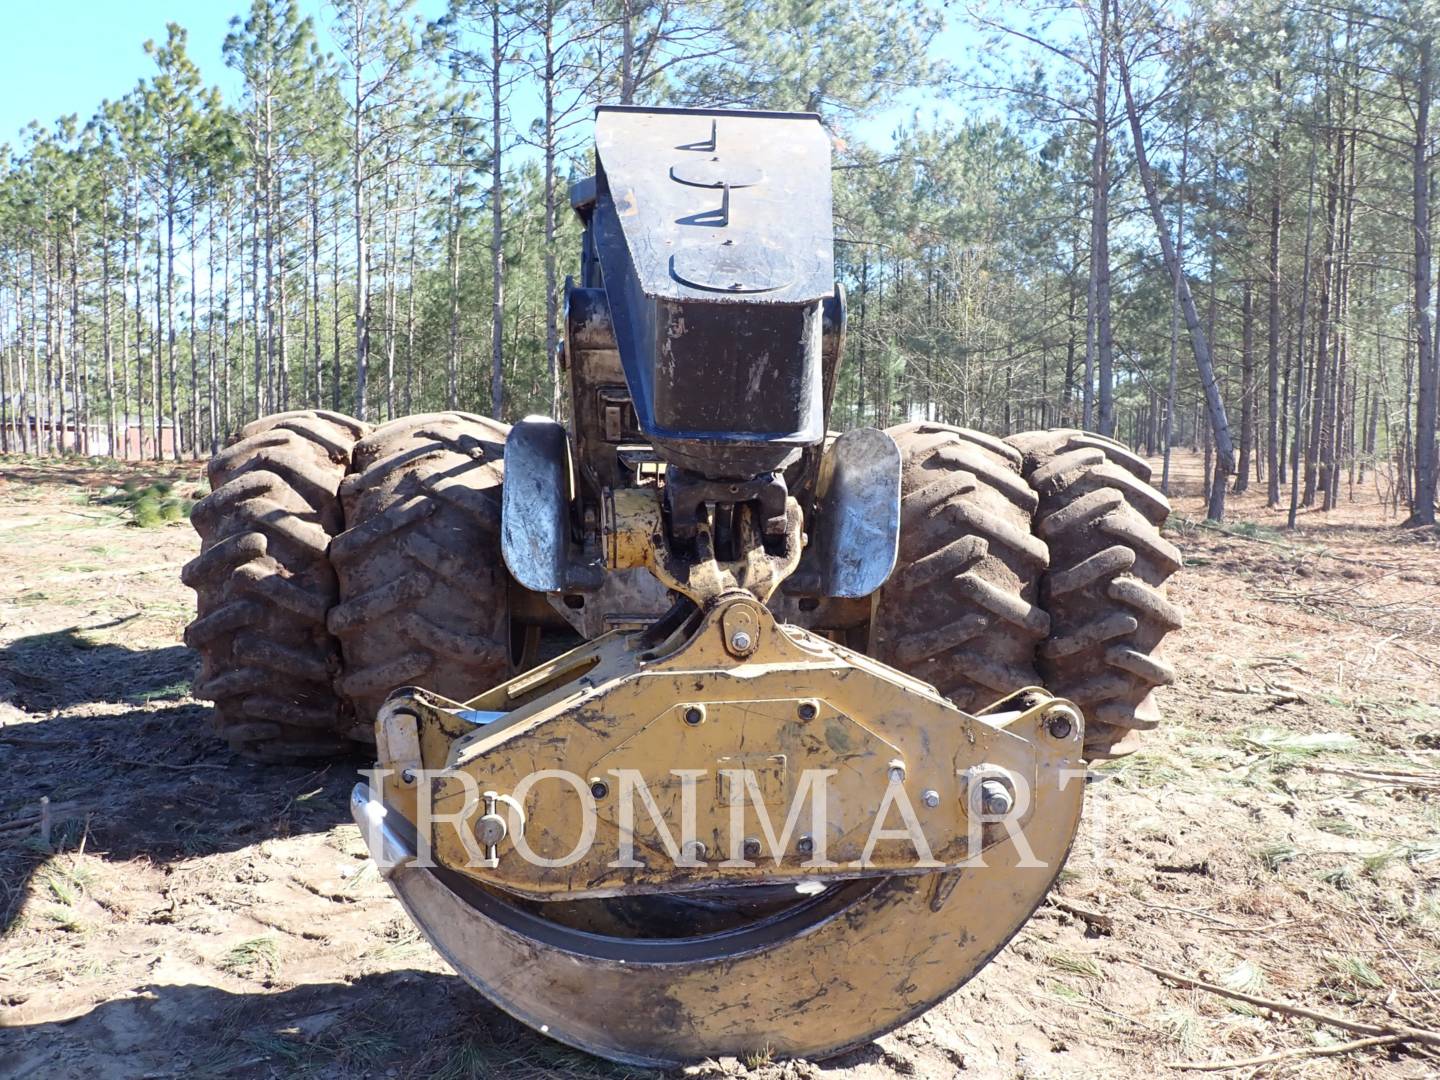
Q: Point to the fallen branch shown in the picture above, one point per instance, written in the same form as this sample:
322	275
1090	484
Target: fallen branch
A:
1098	919
10	739
167	765
1294	1052
1197	913
1418	655
1278	695
52	811
1319	553
1424	781
1402	1032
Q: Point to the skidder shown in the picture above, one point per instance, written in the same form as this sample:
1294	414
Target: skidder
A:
818	749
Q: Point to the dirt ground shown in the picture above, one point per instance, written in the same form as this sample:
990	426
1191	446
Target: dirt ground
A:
189	914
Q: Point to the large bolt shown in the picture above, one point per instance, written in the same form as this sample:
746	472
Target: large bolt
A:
897	771
806	710
694	851
694	715
995	798
805	845
1059	724
490	830
599	788
752	848
930	797
740	641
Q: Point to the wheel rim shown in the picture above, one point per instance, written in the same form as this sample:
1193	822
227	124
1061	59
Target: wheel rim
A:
826	974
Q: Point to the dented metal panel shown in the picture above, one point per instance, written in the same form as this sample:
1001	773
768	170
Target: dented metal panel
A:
712	234
857	532
702	189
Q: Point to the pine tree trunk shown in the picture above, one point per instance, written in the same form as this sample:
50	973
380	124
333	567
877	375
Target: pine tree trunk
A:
1067	392
225	326
212	438
108	344
335	311
1299	364
627	52
194	359
1423	508
244	353
452	356
319	384
79	441
497	225
1247	385
1219	423
1173	373
280	342
55	360
1273	400
552	298
389	232
1105	345
140	426
124	421
43	432
410	301
157	352
170	336
362	258
1321	374
257	323
274	402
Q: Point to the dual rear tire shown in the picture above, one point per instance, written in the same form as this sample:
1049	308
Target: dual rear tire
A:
339	562
264	586
1036	560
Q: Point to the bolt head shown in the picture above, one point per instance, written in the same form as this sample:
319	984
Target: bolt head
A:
805	845
694	851
930	797
491	829
897	772
807	710
740	641
995	798
694	715
751	848
599	789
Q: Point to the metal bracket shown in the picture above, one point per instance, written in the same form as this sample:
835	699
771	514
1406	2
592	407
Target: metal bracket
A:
535	509
856	534
687	493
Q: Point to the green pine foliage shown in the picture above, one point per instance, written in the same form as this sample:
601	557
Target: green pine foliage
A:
336	236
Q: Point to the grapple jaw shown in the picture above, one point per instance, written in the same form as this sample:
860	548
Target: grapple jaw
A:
728	762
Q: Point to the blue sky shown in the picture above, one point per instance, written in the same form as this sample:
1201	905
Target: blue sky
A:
66	56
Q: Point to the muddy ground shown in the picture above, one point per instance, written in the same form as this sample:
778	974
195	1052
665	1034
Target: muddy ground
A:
189	914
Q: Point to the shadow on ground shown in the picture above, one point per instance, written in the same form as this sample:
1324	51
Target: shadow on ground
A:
130	764
61	670
405	1023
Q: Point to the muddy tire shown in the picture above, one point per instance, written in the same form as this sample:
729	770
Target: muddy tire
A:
264	586
423	588
1105	590
961	610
